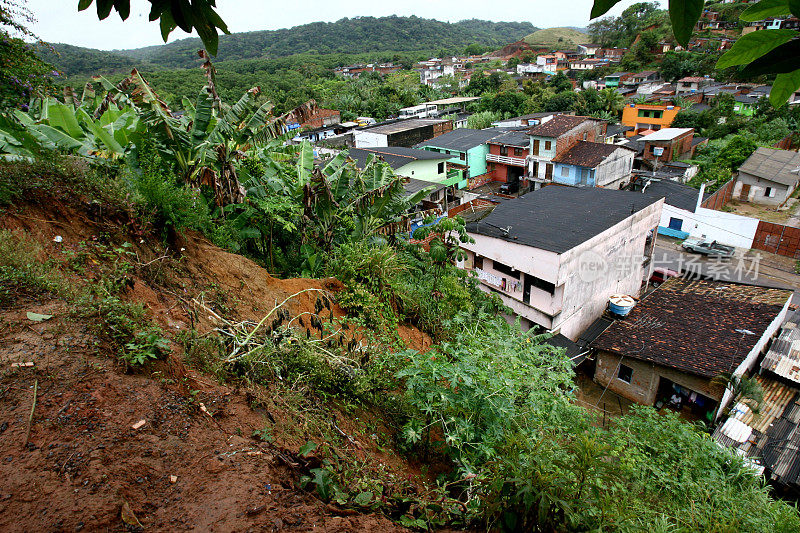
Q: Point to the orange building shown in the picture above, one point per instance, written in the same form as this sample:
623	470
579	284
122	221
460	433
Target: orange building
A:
646	118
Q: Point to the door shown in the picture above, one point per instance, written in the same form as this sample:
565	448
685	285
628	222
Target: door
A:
535	170
548	171
536	147
744	194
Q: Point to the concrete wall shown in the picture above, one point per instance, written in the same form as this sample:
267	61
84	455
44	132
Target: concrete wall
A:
758	188
726	228
585	299
476	159
615	169
578	299
645	379
367	139
425	170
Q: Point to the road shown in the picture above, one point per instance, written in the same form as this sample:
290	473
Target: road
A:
751	269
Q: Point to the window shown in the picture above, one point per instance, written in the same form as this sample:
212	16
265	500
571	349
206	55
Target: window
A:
412	172
585	136
505	269
503	150
462	156
564	172
440	168
478	261
768	192
547	145
675	223
539	283
517	151
625	373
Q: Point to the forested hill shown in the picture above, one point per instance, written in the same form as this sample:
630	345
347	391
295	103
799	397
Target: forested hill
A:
351	36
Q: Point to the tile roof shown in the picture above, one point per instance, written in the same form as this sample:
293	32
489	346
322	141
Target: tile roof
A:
698	327
588	154
394	156
692	79
461	139
773	165
558	125
557	218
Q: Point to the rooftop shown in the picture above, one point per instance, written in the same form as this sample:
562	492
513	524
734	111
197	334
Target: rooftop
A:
512	138
666	134
692	79
783	357
699	327
546	218
775	165
588	154
674	193
558	125
769	437
414	186
397	126
395	157
461	139
454	100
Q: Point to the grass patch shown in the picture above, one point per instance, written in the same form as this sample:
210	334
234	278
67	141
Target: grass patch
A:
22	274
60	177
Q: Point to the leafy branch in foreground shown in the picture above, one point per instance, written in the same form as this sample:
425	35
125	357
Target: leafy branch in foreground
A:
761	52
185	14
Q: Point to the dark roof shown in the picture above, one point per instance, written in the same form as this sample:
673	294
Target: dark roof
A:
698	140
634	143
674	194
394	156
699	327
745	98
512	138
698	108
414	186
588	154
573	351
594	330
616	129
558	125
461	139
559	218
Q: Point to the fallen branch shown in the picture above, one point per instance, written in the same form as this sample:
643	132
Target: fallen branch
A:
30	417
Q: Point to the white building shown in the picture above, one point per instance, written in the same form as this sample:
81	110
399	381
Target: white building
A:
555	255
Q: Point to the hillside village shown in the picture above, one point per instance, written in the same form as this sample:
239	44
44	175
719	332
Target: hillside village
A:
558	291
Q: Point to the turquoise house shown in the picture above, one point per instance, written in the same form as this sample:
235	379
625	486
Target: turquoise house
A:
467	149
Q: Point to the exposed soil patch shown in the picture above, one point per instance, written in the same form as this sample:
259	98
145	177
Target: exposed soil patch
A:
192	465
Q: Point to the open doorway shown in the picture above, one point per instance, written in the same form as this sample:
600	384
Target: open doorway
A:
690	404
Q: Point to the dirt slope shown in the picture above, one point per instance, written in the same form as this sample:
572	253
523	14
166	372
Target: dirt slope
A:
85	466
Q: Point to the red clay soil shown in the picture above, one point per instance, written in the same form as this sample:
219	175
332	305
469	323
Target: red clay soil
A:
85	466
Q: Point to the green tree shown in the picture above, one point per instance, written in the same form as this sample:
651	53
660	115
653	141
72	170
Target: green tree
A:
23	73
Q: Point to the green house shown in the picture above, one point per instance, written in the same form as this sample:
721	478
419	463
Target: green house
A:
466	148
744	105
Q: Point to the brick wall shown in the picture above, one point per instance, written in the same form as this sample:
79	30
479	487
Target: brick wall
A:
594	133
777	239
721	197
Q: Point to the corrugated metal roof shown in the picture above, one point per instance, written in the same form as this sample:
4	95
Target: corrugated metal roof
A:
774	437
783	357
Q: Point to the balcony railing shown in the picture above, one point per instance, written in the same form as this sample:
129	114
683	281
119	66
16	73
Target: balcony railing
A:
506	160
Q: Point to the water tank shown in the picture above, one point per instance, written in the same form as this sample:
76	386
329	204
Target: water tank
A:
621	304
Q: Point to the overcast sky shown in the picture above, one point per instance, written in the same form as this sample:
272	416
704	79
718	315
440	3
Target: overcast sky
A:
60	22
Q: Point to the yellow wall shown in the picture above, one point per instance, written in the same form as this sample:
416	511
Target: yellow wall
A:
630	117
